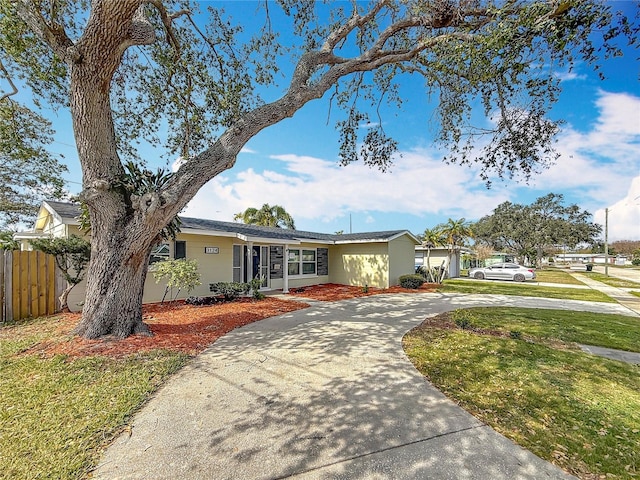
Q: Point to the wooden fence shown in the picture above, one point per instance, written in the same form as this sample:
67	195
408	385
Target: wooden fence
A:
30	284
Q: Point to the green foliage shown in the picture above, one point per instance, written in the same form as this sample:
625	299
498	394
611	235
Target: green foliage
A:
636	262
255	285
412	281
230	290
7	242
135	183
191	85
267	216
29	173
72	255
204	79
181	274
527	230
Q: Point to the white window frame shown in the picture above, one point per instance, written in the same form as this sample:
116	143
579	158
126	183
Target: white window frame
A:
300	262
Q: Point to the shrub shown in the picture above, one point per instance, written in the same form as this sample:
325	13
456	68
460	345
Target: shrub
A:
411	281
230	290
463	323
636	262
180	273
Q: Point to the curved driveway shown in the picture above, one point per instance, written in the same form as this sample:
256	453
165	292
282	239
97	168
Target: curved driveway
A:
322	393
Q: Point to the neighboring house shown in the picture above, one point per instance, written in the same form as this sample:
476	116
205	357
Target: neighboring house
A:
438	257
282	258
597	258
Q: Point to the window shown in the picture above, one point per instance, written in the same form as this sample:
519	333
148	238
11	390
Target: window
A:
180	249
293	261
302	262
159	253
308	262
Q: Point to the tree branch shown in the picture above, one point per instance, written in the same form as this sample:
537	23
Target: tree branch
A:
167	19
52	34
14	89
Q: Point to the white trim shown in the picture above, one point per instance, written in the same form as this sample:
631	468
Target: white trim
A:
285	269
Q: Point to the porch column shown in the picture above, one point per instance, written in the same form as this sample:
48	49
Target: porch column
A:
249	270
285	272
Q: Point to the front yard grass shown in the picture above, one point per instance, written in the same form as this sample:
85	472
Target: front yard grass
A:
56	413
523	289
520	375
556	275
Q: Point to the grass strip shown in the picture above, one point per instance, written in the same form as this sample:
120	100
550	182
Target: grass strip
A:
578	411
525	290
620	332
555	275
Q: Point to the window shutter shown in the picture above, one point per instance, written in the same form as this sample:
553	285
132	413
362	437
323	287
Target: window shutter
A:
323	261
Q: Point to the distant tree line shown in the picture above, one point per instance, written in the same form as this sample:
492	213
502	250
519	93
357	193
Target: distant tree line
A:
531	231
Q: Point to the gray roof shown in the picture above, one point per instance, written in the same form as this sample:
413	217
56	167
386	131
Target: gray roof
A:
68	210
65	209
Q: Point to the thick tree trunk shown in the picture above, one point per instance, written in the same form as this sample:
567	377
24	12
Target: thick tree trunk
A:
115	284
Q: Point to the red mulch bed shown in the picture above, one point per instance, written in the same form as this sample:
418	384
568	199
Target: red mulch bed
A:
331	292
176	326
192	328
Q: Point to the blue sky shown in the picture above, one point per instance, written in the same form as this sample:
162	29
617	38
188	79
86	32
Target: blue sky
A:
294	164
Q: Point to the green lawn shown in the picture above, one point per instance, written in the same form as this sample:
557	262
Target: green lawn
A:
556	275
578	411
56	413
523	289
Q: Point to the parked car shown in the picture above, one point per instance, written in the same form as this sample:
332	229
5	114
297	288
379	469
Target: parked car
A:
503	271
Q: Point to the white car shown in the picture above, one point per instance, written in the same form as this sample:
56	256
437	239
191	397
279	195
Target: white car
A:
503	271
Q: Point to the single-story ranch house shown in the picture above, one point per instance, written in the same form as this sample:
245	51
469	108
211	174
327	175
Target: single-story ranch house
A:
282	258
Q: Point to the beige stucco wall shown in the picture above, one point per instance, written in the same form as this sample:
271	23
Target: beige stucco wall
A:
360	264
212	268
401	258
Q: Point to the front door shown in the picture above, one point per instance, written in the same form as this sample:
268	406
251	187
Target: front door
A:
261	264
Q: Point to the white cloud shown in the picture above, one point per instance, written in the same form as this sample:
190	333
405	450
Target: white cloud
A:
595	169
599	165
316	189
624	215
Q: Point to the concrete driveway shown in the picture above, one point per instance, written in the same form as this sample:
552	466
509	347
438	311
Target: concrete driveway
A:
322	393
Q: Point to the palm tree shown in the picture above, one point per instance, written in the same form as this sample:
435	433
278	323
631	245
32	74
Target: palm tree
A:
431	238
454	233
267	216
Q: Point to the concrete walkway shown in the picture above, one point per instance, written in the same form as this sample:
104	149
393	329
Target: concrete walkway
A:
322	393
623	297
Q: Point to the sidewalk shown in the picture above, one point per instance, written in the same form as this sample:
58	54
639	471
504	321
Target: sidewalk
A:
621	296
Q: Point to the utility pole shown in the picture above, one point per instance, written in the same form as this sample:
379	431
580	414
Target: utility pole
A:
606	242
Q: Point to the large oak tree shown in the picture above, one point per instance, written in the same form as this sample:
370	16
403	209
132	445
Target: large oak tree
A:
527	230
192	85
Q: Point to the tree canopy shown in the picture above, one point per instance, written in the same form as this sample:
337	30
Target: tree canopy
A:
527	230
267	216
29	173
200	85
